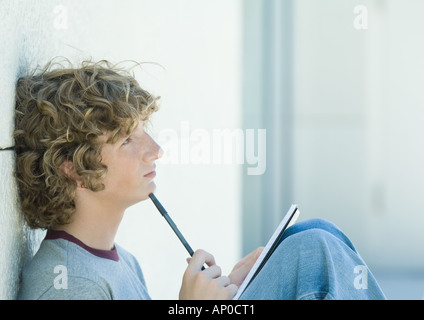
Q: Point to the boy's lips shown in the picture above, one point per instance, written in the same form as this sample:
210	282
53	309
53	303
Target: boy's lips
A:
151	174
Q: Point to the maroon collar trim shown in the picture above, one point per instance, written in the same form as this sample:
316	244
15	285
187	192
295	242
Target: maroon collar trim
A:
60	234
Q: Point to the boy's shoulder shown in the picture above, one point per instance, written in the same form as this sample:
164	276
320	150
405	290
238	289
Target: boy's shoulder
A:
51	270
63	270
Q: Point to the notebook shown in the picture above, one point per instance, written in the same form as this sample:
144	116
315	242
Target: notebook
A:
289	219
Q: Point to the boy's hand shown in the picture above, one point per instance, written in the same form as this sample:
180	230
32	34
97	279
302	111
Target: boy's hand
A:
242	268
207	284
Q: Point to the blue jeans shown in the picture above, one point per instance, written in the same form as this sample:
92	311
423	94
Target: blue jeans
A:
314	260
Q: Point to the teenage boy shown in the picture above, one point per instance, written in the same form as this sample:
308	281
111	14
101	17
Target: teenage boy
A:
83	157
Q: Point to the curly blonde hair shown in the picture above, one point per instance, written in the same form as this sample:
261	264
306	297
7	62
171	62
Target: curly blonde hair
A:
60	115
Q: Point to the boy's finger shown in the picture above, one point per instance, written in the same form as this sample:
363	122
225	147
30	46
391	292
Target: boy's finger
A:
199	258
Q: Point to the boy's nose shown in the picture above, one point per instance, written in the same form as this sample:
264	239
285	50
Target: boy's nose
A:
154	152
160	152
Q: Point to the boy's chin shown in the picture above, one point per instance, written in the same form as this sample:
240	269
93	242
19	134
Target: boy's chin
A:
151	189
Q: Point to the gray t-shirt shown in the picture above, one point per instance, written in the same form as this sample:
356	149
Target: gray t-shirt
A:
65	268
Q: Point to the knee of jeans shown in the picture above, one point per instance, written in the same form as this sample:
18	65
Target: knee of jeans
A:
315	223
320	225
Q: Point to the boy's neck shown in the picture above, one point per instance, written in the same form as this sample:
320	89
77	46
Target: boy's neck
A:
95	237
95	225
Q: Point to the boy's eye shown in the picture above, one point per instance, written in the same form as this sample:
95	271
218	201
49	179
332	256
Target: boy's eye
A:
127	140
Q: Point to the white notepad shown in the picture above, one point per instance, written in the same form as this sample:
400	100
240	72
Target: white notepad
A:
289	219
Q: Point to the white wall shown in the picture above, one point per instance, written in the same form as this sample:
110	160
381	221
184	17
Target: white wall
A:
197	44
359	115
330	107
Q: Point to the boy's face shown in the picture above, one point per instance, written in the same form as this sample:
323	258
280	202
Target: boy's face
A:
131	168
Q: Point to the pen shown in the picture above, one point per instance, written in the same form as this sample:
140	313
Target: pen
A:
171	224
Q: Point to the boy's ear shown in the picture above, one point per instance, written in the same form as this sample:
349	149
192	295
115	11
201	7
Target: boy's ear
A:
67	167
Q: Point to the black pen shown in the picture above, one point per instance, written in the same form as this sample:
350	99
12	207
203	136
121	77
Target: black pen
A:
171	224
